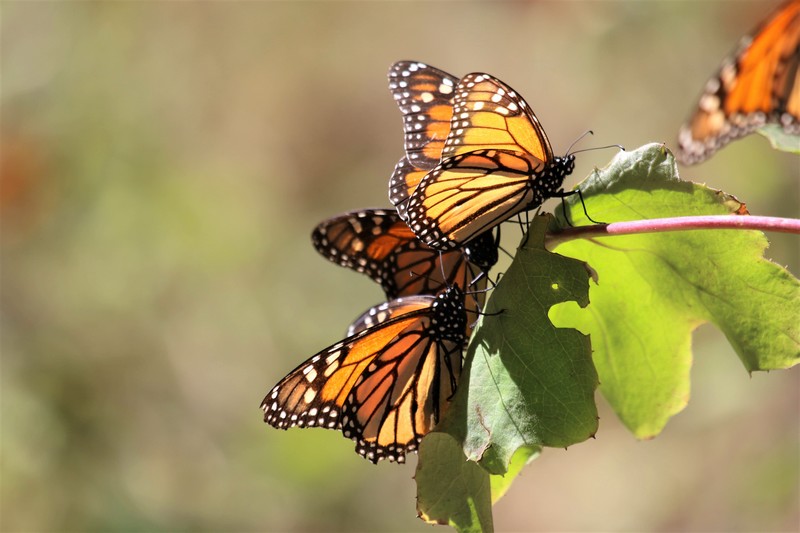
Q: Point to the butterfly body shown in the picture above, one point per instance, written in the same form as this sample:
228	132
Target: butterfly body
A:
384	387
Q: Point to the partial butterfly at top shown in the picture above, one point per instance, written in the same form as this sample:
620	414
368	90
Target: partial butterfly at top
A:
424	95
387	385
758	85
379	244
496	162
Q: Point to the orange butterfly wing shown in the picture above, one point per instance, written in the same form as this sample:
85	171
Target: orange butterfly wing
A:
759	84
403	182
488	114
471	193
384	387
378	243
424	95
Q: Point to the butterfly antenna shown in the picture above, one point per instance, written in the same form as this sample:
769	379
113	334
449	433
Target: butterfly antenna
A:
576	141
584	134
489	280
599	148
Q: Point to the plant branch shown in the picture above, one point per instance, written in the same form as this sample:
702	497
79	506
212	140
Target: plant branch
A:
658	225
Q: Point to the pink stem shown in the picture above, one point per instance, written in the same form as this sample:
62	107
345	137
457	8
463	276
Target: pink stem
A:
657	225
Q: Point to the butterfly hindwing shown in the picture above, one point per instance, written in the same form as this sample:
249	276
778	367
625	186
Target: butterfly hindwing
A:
361	241
403	183
402	395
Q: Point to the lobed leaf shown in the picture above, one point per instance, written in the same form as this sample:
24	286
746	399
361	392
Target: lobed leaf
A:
655	289
527	383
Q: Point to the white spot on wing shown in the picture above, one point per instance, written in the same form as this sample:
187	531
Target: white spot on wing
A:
309	396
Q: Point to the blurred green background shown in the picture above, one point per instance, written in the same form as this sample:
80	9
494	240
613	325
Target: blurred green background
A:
163	165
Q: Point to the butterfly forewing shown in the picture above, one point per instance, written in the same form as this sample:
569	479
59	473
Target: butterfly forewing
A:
488	114
471	193
757	85
424	95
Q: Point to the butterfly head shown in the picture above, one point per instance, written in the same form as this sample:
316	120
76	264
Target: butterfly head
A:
563	166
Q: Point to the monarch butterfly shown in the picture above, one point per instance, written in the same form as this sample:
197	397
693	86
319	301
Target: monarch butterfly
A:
424	95
757	85
378	243
496	162
384	387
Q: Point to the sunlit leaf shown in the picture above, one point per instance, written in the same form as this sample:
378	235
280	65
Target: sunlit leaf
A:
655	289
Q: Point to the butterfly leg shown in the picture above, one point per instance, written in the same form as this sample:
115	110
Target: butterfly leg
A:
496	313
564	194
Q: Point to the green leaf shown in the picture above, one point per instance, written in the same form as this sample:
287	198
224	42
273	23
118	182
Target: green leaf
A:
502	482
655	289
526	383
450	489
779	139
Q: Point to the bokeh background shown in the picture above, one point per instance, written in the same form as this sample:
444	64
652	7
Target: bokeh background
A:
163	165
